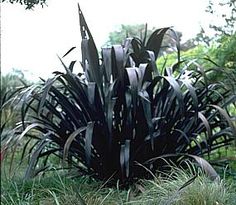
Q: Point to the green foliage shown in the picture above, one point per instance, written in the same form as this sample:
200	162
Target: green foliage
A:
11	81
29	4
11	85
225	54
198	53
197	189
58	189
142	32
138	31
122	116
201	37
224	161
220	54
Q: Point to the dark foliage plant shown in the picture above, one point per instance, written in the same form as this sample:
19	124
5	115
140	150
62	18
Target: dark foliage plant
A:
118	118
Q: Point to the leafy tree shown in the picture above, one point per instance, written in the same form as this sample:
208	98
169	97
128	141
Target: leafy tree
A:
29	4
225	10
220	54
225	13
11	84
202	37
221	47
138	31
225	53
198	52
12	80
142	32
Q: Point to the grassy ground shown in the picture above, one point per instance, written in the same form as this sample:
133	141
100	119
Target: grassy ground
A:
224	161
178	188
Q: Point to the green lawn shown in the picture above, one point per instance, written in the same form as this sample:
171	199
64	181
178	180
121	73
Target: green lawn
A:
178	187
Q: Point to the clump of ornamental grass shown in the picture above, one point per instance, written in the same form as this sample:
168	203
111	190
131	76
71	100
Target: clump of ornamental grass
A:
185	186
122	114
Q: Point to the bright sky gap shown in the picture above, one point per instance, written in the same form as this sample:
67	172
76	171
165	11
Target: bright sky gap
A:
31	40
